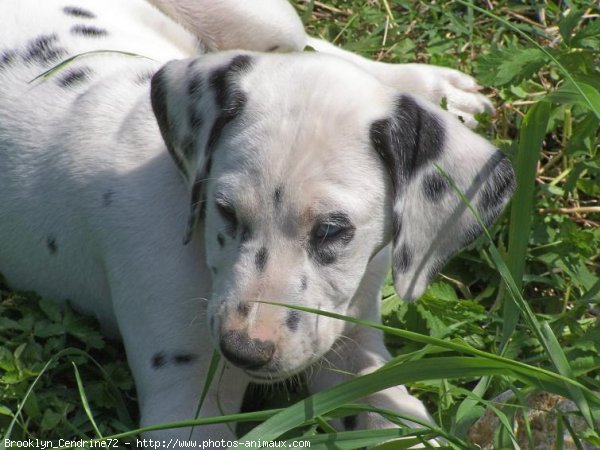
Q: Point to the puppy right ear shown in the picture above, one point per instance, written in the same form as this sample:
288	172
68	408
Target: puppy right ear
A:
194	100
430	221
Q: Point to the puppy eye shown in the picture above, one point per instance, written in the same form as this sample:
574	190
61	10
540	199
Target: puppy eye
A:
328	231
227	212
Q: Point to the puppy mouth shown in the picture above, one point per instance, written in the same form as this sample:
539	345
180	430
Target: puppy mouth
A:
274	374
266	377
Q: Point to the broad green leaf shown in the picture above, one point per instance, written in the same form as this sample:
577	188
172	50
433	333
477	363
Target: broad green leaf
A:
50	419
532	41
52	310
511	65
570	93
568	24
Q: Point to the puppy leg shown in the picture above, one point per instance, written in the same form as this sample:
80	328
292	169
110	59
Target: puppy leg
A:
159	302
259	25
362	351
431	82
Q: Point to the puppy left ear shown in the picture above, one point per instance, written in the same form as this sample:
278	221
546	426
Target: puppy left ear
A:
194	100
430	221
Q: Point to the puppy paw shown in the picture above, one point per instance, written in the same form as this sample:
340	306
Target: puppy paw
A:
462	95
460	91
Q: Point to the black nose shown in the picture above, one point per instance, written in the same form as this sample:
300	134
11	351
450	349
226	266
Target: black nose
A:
245	352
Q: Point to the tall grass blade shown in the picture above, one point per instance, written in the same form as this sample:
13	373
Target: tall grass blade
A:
533	130
210	376
84	400
325	401
592	295
545	379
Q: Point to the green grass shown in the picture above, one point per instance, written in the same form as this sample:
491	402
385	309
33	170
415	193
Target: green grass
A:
516	311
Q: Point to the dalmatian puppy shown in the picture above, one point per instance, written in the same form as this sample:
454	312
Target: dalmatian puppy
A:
169	193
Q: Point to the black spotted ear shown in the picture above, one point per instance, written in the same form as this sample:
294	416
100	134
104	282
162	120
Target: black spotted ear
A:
430	221
193	101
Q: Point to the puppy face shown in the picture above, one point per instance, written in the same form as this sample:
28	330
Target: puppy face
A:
306	167
295	208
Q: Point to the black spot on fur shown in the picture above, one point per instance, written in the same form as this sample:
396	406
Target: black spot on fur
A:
292	320
273	49
51	244
88	31
7	57
261	258
195	86
229	99
350	422
158	360
221	240
435	186
76	11
188	145
498	187
196	120
277	196
243	309
208	166
246	234
407	141
73	77
470	234
402	258
220	79
303	282
158	97
196	207
235	106
44	50
214	270
107	198
435	268
183	358
196	193
397	225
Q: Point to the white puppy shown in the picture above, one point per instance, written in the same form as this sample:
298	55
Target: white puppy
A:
168	207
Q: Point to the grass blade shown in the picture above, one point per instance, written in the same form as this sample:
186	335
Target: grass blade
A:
533	130
65	63
84	400
554	380
325	401
210	376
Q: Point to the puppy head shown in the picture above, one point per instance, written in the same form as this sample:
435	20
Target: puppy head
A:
303	167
